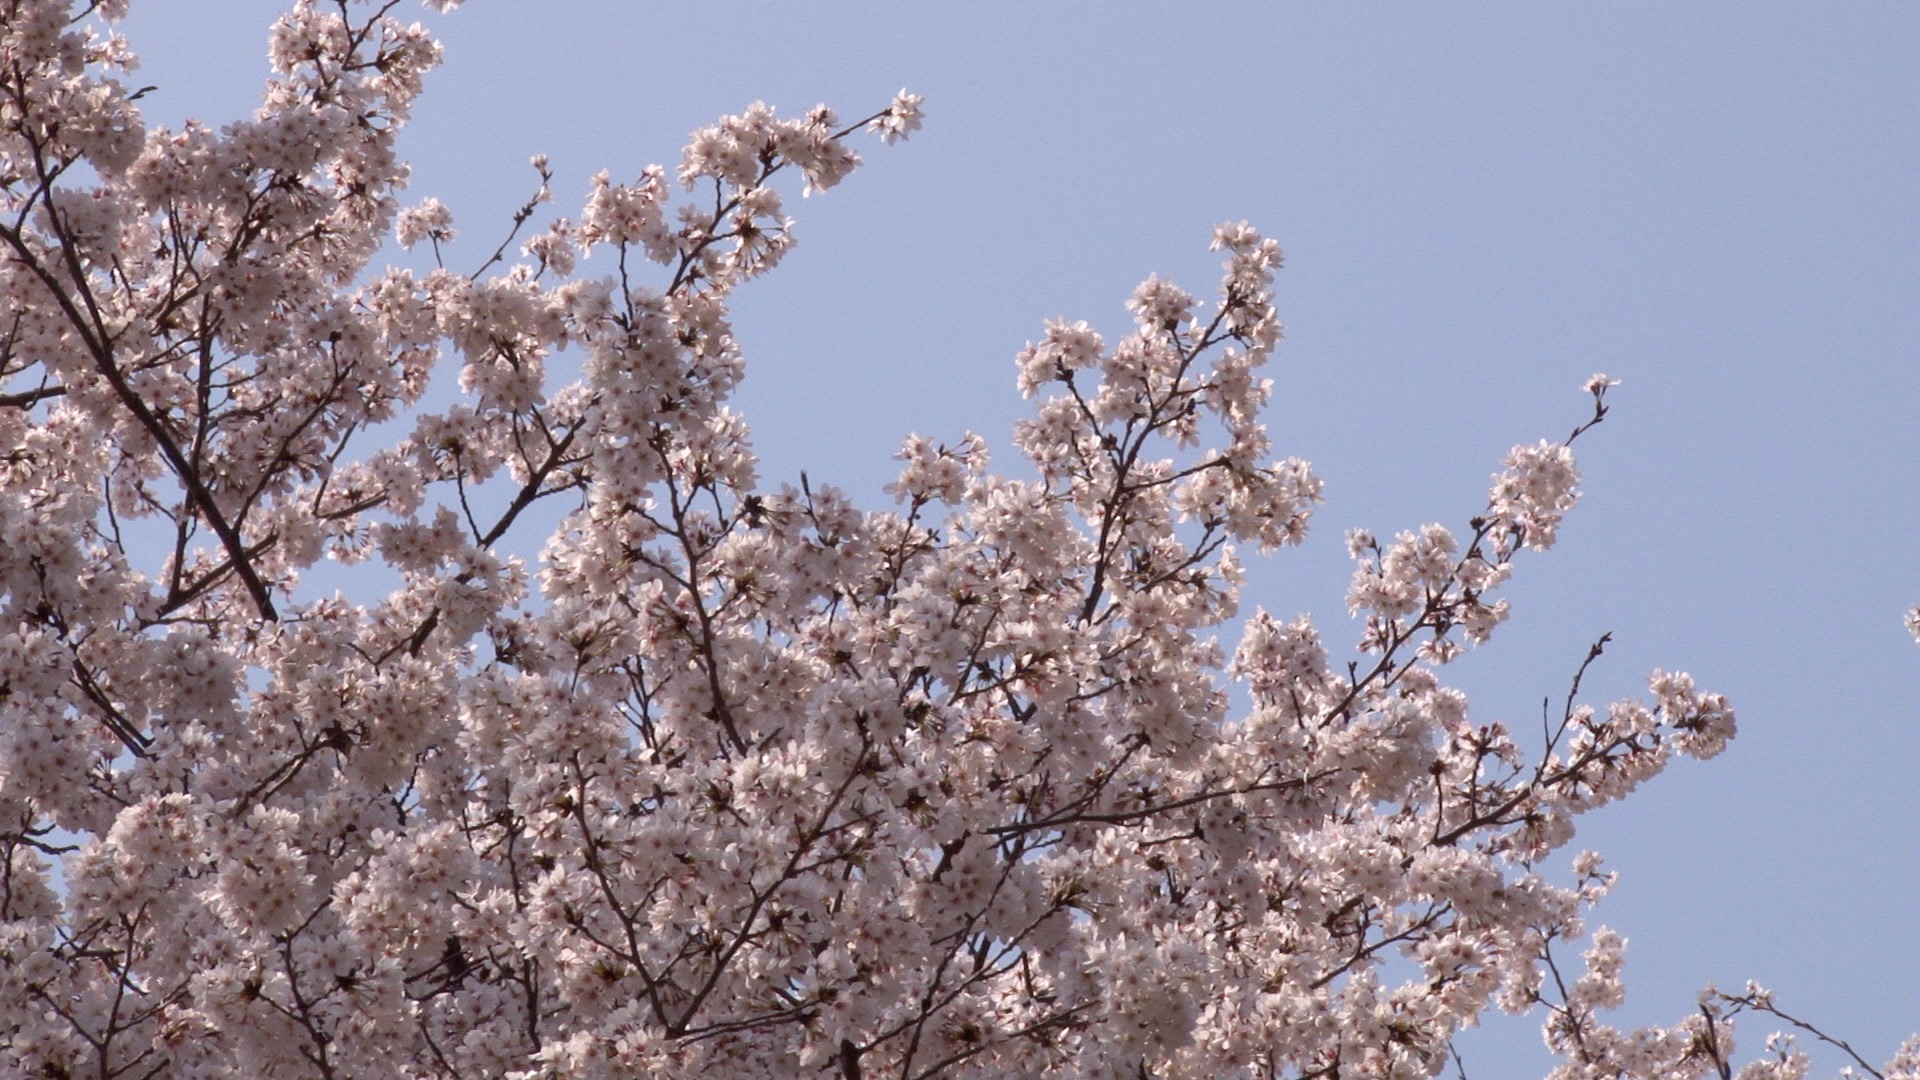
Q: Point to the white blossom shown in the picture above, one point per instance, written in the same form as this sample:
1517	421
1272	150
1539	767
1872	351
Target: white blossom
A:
728	779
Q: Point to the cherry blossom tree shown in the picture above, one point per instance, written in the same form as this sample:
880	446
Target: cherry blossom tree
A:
723	779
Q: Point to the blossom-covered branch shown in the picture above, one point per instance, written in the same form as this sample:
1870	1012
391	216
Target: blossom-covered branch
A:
719	777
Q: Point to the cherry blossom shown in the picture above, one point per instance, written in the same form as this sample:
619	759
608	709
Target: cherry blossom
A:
724	776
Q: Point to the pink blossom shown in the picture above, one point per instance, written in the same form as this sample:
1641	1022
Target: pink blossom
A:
612	760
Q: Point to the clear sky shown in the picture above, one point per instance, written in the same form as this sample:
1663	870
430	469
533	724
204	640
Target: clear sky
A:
1481	204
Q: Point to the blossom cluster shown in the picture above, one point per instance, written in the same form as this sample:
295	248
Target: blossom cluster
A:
722	779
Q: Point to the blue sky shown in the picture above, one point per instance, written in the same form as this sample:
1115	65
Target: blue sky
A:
1481	204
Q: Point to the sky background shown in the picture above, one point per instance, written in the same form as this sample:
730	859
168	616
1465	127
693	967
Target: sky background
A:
1481	205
